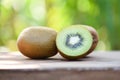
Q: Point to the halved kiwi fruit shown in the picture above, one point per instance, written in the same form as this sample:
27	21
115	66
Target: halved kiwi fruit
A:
37	42
76	41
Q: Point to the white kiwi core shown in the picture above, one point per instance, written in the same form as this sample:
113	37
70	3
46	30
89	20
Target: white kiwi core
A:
74	40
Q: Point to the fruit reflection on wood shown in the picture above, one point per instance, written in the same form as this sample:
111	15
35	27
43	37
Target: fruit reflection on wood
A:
73	42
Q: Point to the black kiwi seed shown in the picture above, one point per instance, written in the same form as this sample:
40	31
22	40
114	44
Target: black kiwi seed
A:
76	45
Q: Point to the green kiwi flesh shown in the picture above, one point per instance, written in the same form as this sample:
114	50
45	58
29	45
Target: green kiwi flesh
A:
95	37
76	41
37	42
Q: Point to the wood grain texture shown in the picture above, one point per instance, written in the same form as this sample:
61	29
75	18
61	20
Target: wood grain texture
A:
96	66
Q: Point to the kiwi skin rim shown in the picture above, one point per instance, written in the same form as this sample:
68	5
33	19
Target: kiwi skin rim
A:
94	44
34	51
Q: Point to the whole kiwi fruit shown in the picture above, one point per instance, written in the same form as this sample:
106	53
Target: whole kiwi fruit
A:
76	41
37	42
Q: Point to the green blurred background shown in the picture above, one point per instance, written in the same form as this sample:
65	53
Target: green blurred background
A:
103	15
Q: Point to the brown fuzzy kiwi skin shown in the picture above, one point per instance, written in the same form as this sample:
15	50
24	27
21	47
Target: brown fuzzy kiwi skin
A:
94	44
71	58
95	38
37	42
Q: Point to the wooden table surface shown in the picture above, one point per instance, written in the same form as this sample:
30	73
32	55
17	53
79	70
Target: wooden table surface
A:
98	65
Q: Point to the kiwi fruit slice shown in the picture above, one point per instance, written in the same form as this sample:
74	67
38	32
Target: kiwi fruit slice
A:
37	42
76	41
